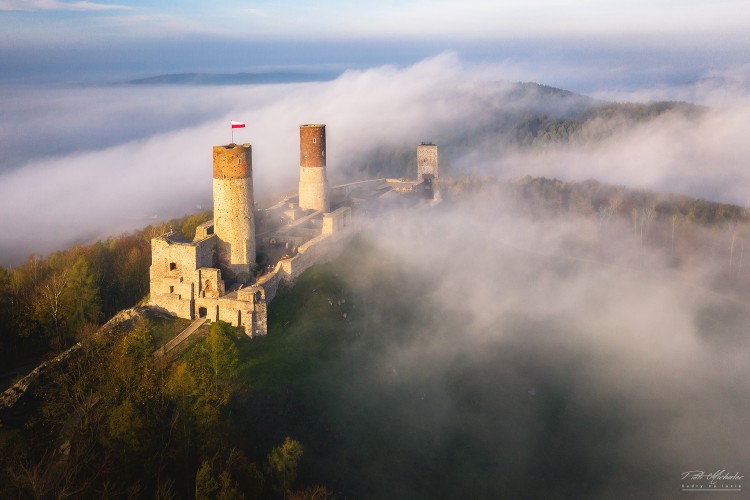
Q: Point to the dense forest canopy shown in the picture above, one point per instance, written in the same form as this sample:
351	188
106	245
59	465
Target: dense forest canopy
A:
47	303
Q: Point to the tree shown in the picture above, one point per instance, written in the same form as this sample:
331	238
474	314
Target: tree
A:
732	229
125	429
215	360
282	464
81	298
6	310
50	301
311	493
648	215
206	486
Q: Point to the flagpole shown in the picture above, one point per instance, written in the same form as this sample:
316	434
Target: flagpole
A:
233	124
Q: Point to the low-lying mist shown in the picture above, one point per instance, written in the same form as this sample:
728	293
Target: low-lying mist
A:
83	163
499	354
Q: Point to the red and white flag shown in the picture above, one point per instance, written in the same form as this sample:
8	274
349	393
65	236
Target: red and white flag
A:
237	124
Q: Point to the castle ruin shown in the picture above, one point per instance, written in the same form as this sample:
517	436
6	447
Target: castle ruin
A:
232	268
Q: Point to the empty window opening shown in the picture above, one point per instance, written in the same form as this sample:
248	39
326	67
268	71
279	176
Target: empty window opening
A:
171	289
172	266
315	140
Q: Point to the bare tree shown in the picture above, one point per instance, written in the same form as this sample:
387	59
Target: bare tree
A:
647	215
51	292
605	214
155	231
742	253
732	228
35	263
677	220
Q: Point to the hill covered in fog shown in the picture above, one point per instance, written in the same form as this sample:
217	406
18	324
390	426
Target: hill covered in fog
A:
523	338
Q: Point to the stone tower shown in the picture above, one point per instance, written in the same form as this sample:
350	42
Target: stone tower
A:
313	184
234	221
427	160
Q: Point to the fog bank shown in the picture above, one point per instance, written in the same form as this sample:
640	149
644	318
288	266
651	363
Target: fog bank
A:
89	162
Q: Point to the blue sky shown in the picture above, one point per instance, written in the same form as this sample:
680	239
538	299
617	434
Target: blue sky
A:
48	39
487	19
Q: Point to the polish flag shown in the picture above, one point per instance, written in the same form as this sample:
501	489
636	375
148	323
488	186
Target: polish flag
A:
237	124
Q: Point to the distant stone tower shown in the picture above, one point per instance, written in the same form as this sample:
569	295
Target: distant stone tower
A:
427	160
234	221
313	184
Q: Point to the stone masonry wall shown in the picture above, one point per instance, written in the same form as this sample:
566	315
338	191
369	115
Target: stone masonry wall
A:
234	225
234	220
427	160
337	220
313	189
175	272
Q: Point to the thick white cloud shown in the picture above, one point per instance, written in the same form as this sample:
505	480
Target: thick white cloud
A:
115	156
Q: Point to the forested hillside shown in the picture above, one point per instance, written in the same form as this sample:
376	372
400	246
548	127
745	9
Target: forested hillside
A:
362	387
48	302
556	118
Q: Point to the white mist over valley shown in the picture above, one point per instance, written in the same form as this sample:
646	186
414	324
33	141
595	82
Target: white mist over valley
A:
98	160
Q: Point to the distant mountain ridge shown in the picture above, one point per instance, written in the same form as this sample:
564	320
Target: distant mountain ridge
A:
236	78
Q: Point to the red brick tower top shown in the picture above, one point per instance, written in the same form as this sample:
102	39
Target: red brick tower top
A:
233	161
312	145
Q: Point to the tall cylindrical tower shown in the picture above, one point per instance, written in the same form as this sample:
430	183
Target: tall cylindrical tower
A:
234	221
313	184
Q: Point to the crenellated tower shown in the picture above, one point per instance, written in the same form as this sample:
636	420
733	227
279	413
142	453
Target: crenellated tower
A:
234	221
313	183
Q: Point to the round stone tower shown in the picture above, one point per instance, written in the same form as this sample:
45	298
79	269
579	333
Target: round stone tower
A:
313	184
234	221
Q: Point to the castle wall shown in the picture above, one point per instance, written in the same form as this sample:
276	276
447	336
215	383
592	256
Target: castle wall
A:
270	286
337	220
427	161
204	230
318	249
175	273
229	308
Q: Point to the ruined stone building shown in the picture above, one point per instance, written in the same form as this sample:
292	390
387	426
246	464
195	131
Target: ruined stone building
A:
233	266
427	161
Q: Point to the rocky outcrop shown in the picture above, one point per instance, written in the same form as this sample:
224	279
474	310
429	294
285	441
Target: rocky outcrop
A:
14	398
